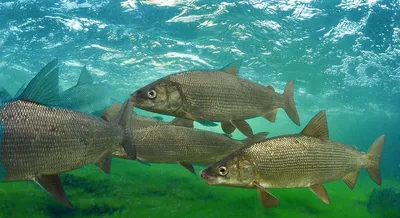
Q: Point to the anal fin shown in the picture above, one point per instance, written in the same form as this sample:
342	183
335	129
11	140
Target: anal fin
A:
243	127
270	115
52	184
187	166
350	179
265	198
320	192
104	163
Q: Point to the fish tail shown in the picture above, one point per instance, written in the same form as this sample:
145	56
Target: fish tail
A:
374	155
123	119
289	106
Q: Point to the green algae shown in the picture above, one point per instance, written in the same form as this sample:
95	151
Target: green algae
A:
168	190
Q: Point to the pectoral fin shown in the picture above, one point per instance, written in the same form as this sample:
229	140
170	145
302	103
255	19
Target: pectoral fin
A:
243	127
206	123
191	116
265	198
52	184
182	122
320	192
187	166
104	163
350	179
228	127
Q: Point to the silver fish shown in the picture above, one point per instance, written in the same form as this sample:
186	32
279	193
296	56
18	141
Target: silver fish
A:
86	96
216	95
40	142
177	142
4	94
308	159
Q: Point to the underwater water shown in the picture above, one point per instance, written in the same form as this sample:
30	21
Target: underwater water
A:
344	57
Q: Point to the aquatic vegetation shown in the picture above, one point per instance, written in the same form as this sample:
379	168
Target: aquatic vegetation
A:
342	56
385	202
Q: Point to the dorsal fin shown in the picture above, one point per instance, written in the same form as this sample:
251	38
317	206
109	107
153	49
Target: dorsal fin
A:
4	95
85	77
20	90
43	88
317	127
270	87
233	68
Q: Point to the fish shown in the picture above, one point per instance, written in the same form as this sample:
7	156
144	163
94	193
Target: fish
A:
305	160
178	142
216	96
40	141
137	122
86	96
4	94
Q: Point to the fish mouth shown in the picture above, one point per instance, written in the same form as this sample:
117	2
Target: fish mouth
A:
206	177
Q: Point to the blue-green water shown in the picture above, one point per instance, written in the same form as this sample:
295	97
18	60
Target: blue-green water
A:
343	56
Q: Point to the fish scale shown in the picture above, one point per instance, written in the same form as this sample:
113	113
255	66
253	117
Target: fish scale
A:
308	159
40	140
234	97
170	144
85	98
300	160
216	96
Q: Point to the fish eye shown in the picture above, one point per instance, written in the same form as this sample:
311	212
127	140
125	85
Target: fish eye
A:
152	94
222	170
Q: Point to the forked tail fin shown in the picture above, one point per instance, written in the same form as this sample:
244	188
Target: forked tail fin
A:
290	107
374	155
123	119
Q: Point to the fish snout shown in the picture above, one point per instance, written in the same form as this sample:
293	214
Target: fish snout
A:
205	176
134	95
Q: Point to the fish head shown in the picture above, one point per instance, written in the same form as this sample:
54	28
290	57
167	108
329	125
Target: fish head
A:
233	170
161	96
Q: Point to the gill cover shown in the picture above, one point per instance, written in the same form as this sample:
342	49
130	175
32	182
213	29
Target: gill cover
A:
161	96
233	170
